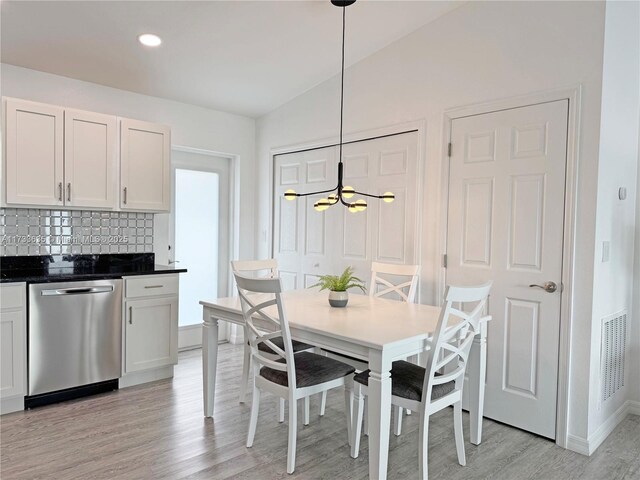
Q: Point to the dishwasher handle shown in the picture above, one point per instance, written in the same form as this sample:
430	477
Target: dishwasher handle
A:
77	290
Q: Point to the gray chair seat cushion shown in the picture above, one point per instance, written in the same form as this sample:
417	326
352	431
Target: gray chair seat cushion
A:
407	380
279	342
311	369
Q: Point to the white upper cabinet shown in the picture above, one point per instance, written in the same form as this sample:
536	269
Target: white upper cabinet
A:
90	159
61	157
34	155
145	169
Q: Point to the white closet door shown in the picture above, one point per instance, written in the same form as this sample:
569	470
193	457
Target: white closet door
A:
90	159
34	162
309	243
506	214
384	232
302	236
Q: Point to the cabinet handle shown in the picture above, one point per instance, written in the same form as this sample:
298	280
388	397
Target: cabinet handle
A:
124	200
130	315
60	192
68	192
153	286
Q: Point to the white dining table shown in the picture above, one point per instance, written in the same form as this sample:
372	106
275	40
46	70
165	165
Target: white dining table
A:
376	330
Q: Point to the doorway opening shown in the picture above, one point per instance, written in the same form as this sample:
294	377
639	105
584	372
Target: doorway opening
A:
200	236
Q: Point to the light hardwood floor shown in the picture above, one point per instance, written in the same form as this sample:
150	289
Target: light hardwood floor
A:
157	431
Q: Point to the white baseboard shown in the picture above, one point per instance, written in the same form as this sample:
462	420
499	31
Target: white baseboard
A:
591	444
578	444
13	404
634	407
131	379
236	334
190	337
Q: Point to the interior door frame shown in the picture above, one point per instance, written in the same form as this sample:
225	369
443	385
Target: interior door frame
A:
230	331
419	126
573	95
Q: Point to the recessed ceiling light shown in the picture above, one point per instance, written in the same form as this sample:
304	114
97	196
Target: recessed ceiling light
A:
149	39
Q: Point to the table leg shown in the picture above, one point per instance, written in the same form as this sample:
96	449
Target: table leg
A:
477	383
209	360
379	413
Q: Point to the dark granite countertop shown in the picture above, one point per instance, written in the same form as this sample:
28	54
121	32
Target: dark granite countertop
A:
60	268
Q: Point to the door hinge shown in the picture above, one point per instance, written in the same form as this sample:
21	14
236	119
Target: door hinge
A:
449	150
444	260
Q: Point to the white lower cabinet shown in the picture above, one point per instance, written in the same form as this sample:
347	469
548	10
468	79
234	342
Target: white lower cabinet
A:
13	347
150	328
151	333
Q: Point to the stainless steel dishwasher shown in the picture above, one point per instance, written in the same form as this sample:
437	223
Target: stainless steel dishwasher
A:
75	339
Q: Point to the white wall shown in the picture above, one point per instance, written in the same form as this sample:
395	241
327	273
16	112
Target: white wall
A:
479	52
613	284
191	126
634	352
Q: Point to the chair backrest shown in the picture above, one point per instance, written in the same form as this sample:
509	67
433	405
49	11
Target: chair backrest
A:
256	296
256	268
452	340
380	286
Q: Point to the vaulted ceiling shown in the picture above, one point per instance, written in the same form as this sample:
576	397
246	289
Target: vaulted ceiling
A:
245	57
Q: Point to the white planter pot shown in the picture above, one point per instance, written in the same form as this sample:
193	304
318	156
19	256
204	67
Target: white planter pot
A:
338	299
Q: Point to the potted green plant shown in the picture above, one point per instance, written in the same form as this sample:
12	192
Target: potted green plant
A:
338	286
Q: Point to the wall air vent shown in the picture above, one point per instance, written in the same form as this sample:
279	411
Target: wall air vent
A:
612	352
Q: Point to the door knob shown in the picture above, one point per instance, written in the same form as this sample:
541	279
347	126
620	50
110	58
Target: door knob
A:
548	287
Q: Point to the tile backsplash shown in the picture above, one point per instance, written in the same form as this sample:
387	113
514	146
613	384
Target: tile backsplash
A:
53	232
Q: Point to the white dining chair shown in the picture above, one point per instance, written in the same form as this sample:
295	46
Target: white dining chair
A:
267	268
427	390
381	285
291	376
404	289
395	282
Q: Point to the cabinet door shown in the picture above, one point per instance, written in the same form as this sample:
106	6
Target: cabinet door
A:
12	353
145	169
90	159
151	333
34	160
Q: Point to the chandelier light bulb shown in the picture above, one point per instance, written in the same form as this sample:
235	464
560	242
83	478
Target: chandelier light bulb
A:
388	197
333	199
348	192
353	208
290	194
323	204
361	205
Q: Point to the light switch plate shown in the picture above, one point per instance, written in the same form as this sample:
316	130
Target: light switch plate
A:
606	251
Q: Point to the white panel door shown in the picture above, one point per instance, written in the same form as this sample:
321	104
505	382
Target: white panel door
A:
90	159
384	232
145	166
308	243
506	211
302	236
34	160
